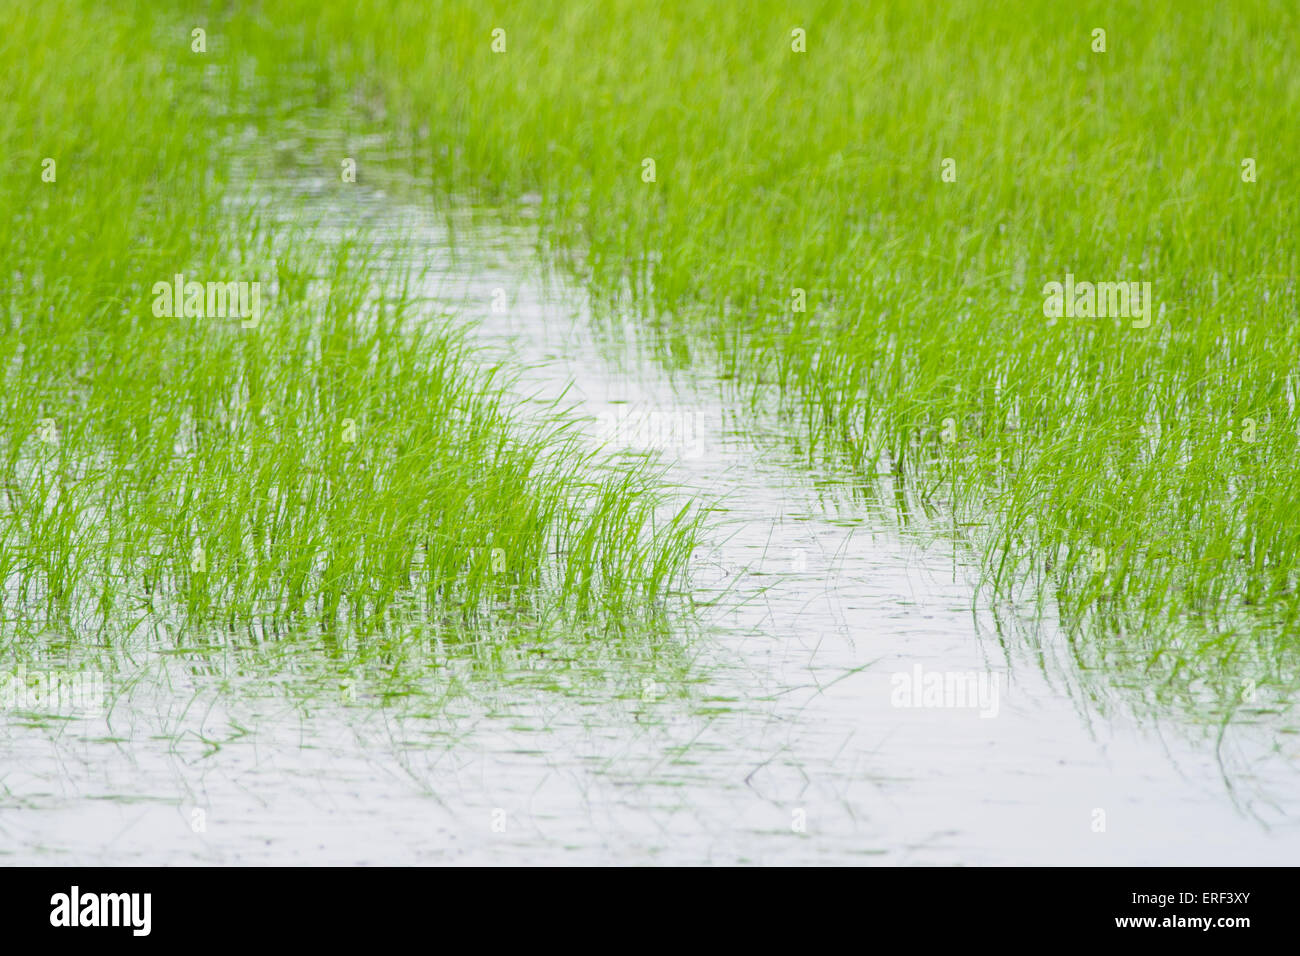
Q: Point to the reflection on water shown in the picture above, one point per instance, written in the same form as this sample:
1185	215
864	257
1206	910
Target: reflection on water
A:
838	699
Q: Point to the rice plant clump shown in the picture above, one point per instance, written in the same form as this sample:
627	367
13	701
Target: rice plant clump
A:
210	420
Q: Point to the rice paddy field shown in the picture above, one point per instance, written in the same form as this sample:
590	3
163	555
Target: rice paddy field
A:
619	433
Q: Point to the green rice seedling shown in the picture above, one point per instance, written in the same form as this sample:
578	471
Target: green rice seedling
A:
869	206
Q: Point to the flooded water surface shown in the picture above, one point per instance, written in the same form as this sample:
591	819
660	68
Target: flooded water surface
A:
838	693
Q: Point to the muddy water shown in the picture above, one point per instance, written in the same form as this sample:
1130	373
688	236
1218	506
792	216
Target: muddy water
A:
799	722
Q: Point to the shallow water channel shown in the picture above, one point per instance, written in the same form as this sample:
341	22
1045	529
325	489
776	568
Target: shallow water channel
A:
784	728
